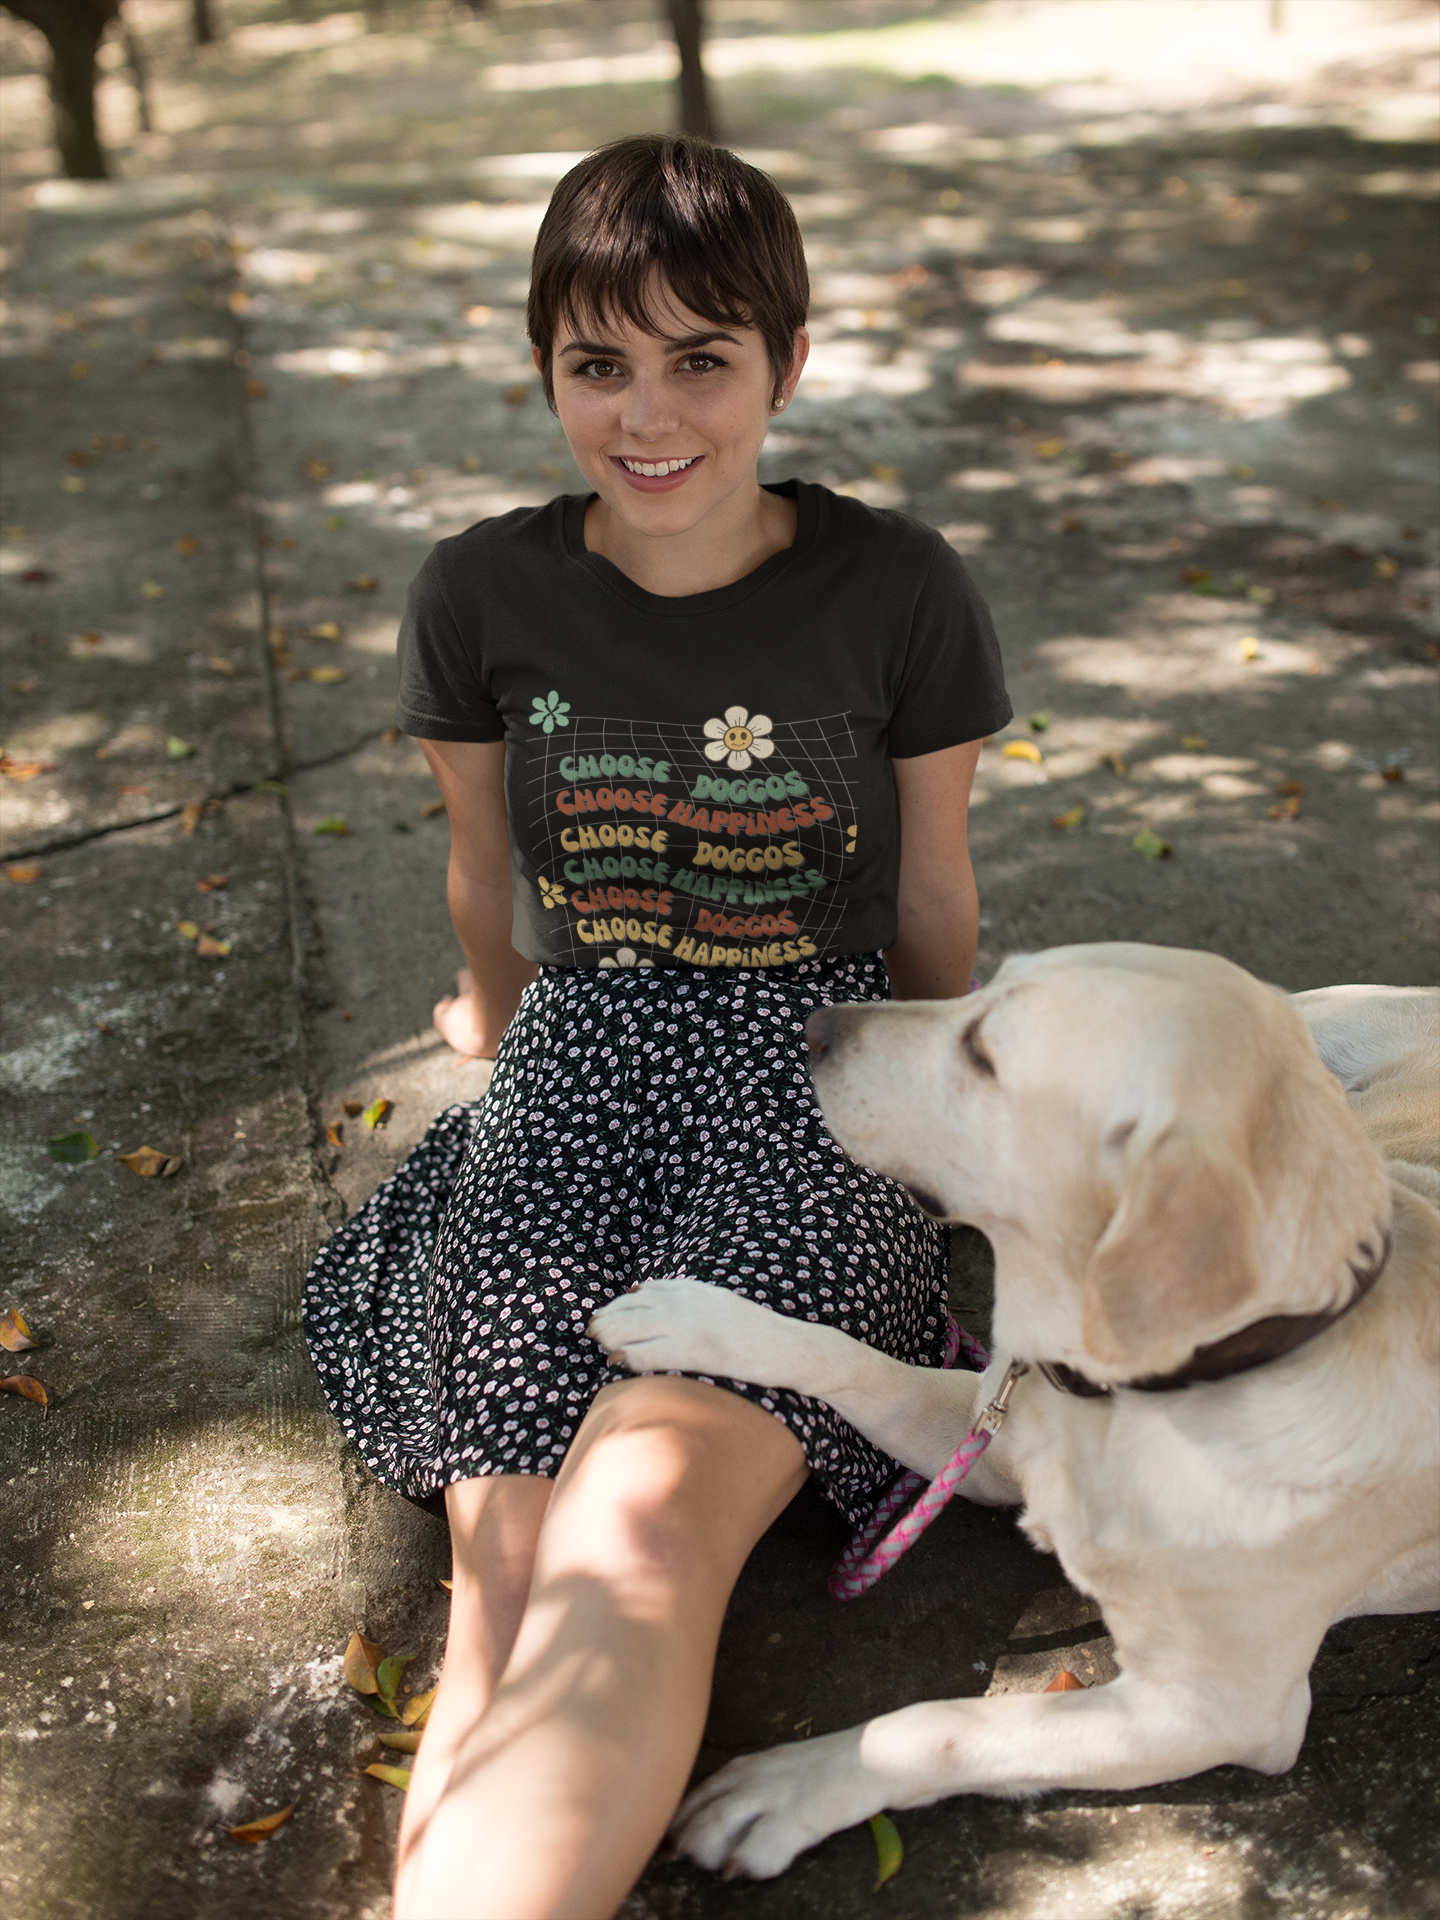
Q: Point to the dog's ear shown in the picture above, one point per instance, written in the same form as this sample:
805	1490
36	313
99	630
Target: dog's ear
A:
1179	1255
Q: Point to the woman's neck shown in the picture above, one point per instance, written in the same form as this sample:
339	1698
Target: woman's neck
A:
702	558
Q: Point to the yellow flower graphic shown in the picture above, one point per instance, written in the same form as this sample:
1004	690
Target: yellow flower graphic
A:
739	738
551	893
626	957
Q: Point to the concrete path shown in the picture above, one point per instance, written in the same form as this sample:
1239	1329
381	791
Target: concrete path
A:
1200	515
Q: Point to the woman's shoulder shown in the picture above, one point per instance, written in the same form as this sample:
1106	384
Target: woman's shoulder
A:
881	532
524	538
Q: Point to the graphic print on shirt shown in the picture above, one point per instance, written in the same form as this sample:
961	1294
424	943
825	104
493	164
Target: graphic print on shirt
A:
722	843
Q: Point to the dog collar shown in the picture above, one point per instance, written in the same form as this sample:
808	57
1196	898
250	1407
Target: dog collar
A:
1252	1346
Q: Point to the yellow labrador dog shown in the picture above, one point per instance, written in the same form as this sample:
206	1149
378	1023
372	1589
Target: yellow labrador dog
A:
1225	1280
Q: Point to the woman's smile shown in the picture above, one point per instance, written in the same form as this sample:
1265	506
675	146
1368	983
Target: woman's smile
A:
655	476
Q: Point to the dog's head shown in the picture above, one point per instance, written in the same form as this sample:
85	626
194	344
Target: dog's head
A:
1147	1135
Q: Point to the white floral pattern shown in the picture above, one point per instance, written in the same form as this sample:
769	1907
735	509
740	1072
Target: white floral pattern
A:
739	738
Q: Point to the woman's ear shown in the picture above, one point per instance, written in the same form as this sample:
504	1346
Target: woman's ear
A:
800	353
538	358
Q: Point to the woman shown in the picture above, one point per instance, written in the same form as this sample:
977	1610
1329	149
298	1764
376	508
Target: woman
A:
706	748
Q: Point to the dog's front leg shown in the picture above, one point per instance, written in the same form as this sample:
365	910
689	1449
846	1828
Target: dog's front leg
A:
757	1813
918	1415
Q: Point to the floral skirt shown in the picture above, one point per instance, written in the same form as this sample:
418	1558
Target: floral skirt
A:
639	1125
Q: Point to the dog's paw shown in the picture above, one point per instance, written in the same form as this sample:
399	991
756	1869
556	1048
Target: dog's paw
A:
683	1326
757	1813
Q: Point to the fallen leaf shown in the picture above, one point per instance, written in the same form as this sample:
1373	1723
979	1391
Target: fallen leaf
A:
1148	842
449	1585
27	1386
431	808
288	543
147	1162
1071	818
257	389
91	636
1194	742
1394	775
72	1149
333	824
378	1112
1040	722
327	676
1249	647
392	1776
23	875
1073	523
1240	471
131	787
884	473
151	590
1286	809
1195	576
352	1107
391	1670
187	929
316	469
217	663
335	1133
210	949
390	736
1386	567
517	395
362	1657
213	883
401	826
468	464
1021	750
336	522
417	1711
190	816
269	786
327	630
15	1334
178	749
24	769
1048	449
1292	786
889	1853
1261	596
407	1740
254	1831
364	583
71	483
36	577
1065	1682
187	544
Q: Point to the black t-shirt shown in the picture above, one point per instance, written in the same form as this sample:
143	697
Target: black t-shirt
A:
701	780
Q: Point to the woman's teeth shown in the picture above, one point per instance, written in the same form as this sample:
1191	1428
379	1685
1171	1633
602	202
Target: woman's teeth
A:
653	469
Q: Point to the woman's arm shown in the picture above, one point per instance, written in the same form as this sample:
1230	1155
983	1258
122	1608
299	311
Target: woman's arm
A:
939	911
471	778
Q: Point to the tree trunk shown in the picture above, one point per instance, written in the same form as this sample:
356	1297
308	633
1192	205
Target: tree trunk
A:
202	23
135	60
688	28
74	30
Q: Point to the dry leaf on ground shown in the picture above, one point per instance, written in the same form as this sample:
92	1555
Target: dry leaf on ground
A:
217	663
15	1335
364	583
1021	750
334	823
335	1133
1249	647
178	749
390	1672
27	1386
209	948
362	1657
186	545
23	875
378	1112
1064	1682
1114	762
889	1851
72	1149
326	630
431	808
1070	818
392	1776
151	590
325	676
213	883
187	929
149	1162
448	1585
1040	722
1194	742
1297	787
254	1831
1148	842
352	1107
190	816
1284	809
416	1712
407	1740
1393	776
24	769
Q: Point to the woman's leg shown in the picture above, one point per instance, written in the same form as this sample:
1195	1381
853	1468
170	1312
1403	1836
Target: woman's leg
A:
494	1525
559	1795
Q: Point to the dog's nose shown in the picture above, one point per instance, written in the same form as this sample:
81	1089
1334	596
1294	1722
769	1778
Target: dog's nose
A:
819	1034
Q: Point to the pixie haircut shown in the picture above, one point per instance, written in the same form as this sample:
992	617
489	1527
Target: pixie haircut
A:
718	234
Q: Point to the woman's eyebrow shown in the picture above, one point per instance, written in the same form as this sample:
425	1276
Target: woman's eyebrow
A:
687	344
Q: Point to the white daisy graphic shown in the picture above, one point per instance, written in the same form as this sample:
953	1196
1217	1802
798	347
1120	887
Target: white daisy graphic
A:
739	738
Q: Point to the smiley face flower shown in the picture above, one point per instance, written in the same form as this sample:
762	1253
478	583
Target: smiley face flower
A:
739	738
551	892
549	713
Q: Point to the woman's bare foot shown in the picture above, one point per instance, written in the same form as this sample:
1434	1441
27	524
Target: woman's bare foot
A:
457	1020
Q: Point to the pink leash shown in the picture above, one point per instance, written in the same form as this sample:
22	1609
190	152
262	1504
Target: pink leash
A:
868	1555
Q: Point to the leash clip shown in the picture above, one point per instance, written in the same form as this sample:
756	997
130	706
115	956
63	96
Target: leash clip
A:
992	1419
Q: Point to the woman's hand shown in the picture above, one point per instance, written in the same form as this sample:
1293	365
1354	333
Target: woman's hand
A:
460	1020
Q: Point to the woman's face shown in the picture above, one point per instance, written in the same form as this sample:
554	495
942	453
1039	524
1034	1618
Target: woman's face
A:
667	428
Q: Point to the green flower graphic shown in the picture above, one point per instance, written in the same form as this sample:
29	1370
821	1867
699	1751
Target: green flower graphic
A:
549	713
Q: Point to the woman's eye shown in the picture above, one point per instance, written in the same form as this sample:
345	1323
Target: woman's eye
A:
700	362
596	369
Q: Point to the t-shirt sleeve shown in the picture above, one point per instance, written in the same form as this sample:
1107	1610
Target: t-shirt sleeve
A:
442	689
952	685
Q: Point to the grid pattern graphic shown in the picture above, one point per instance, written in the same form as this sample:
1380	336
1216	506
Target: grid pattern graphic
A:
821	751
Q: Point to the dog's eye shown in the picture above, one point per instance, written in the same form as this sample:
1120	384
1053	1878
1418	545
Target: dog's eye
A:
974	1052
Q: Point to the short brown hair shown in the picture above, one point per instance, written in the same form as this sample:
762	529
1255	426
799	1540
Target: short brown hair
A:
718	232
